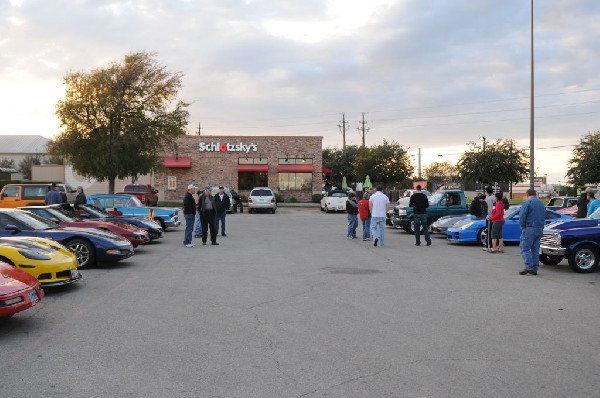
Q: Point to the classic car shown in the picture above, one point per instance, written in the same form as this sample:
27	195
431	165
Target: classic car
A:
89	245
441	225
91	212
561	202
64	218
48	261
130	206
441	203
334	201
18	291
475	230
577	240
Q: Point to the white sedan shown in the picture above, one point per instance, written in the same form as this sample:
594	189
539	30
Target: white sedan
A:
334	201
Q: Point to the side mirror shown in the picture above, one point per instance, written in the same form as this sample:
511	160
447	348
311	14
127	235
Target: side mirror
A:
13	228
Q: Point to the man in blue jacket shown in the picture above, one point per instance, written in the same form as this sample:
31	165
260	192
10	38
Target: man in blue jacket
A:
531	220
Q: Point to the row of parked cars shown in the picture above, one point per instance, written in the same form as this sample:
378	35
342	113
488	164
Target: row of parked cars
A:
47	246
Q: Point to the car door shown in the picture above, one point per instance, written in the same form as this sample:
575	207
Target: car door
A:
511	231
11	197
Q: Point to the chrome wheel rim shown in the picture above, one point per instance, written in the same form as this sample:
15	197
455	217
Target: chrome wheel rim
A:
585	259
81	253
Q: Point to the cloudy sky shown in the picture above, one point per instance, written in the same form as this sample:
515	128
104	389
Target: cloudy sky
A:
430	74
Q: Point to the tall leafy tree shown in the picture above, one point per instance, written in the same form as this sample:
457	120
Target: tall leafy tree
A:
387	164
117	119
26	163
7	163
440	172
341	164
584	166
501	161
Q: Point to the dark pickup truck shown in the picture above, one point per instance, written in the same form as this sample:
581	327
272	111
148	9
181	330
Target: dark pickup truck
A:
144	192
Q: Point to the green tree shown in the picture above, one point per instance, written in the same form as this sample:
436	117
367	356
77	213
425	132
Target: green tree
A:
584	166
117	119
7	163
501	161
387	164
440	172
26	163
341	164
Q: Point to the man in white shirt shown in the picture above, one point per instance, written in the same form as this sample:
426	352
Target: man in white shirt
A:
379	204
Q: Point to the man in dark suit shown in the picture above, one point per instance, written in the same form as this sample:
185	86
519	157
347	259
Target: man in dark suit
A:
222	202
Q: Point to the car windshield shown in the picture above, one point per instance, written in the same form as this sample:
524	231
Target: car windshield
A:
135	202
95	211
27	221
595	215
338	194
261	192
436	197
511	210
63	215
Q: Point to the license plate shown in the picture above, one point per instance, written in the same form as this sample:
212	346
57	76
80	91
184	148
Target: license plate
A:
33	297
74	273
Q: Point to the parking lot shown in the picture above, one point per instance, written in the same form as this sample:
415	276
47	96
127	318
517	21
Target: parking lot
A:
286	306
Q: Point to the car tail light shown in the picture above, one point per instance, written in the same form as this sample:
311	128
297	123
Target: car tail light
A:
143	199
250	200
272	200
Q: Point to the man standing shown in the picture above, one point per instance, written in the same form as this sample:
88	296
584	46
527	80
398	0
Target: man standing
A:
198	223
593	203
80	199
206	208
223	203
237	201
352	209
419	202
189	213
379	204
489	201
53	197
531	220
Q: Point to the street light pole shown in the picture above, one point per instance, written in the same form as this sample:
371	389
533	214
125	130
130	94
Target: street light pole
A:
531	136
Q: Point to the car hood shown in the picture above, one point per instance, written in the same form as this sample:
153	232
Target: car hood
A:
96	232
14	280
576	223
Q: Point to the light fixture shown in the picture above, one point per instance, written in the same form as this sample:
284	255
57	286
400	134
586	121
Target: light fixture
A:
260	157
176	155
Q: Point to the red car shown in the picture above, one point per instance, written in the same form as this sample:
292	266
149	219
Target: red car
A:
135	235
18	291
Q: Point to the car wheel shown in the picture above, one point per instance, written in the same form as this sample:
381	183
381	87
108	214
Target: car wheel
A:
250	211
84	251
163	225
482	236
550	260
584	259
272	211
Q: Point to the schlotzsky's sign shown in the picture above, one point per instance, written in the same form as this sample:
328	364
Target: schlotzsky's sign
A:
227	147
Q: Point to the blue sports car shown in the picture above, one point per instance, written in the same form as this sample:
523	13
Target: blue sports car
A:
89	245
476	230
130	206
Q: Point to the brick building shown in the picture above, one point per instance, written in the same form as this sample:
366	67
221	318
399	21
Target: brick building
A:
291	166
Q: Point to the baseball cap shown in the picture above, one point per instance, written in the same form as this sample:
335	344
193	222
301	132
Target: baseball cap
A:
221	187
192	186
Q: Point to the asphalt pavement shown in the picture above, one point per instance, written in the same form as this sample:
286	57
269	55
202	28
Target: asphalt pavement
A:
287	306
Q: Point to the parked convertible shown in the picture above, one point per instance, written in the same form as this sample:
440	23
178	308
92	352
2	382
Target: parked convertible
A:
63	218
441	225
334	201
476	230
88	245
48	261
18	291
91	212
130	206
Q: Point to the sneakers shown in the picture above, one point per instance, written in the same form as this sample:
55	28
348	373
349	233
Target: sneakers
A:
375	241
189	245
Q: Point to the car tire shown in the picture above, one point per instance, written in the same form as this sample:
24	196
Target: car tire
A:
584	259
84	251
272	211
482	236
550	260
250	211
162	223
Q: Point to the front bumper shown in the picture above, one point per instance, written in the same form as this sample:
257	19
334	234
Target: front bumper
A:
552	250
114	255
173	223
460	235
400	222
74	276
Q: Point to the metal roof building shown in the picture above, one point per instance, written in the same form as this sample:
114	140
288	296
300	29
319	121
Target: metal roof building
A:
11	145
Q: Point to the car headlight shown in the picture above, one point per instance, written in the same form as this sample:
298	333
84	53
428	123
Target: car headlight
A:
557	238
467	225
33	255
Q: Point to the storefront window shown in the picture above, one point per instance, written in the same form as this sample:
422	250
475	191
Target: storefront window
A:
295	161
295	181
250	179
259	160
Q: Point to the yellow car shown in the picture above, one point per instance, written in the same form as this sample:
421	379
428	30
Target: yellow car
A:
50	262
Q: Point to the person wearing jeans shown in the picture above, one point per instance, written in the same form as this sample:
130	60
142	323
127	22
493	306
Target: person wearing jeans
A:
352	209
379	204
532	218
189	213
419	202
365	216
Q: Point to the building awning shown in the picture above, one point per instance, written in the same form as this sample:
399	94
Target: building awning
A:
181	162
261	168
295	168
327	170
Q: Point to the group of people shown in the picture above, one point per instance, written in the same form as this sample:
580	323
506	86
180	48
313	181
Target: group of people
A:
204	213
372	210
587	203
55	197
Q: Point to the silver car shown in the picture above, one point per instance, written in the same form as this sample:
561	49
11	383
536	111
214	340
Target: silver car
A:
262	198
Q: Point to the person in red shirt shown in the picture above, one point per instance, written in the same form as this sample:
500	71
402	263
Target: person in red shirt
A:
365	216
497	224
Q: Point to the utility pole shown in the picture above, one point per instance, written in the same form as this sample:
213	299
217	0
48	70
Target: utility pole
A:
531	114
362	127
199	128
343	130
419	161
